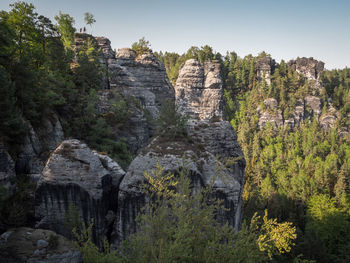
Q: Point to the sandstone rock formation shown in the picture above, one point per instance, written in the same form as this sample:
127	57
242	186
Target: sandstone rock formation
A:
309	67
199	90
76	176
142	81
207	137
37	146
36	246
264	69
306	108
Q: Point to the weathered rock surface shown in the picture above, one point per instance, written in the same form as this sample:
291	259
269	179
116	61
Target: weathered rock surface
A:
75	175
37	145
309	67
207	137
142	81
271	114
228	184
198	90
313	106
36	246
264	68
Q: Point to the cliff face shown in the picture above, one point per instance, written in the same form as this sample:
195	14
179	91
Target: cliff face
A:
211	137
70	176
142	81
306	108
199	90
76	176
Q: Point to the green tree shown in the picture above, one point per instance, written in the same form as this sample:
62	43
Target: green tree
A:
180	226
142	46
89	19
66	29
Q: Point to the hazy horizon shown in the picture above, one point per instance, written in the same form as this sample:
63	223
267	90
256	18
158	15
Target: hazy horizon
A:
284	29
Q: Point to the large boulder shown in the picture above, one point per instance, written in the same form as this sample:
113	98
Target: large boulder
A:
36	246
75	176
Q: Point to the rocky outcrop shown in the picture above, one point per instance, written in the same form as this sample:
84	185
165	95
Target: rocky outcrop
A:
202	164
264	68
36	246
306	108
207	137
142	82
270	114
75	176
37	145
199	90
313	106
309	67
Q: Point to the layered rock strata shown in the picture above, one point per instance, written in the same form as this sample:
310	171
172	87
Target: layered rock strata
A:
77	178
143	83
199	90
210	142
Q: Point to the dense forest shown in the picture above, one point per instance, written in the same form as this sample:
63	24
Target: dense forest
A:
298	176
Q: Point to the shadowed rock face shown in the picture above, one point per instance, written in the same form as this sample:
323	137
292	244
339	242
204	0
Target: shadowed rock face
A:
37	145
199	91
75	175
198	94
7	169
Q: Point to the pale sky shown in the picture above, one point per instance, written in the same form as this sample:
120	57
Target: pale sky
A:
285	29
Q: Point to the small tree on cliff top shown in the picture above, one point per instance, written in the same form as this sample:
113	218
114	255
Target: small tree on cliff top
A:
142	46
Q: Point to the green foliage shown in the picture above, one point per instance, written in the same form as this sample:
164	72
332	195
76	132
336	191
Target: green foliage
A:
174	61
53	241
72	218
89	18
171	122
17	209
179	225
89	251
328	226
142	46
66	29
